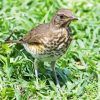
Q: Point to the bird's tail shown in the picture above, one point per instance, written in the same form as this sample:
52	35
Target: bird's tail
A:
14	41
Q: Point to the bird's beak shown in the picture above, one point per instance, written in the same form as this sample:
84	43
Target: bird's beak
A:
73	18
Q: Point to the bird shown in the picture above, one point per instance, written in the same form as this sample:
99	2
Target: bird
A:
49	41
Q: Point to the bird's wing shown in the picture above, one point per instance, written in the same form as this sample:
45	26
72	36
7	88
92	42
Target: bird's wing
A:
35	36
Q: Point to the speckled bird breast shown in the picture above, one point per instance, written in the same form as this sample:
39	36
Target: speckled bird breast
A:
51	50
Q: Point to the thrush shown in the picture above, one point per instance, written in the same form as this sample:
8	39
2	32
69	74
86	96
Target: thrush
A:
49	41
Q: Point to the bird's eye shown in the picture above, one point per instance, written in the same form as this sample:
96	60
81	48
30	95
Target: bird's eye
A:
61	16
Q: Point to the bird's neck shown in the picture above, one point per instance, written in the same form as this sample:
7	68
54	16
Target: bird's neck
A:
57	27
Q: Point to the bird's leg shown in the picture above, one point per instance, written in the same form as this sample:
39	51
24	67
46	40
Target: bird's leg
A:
36	70
54	71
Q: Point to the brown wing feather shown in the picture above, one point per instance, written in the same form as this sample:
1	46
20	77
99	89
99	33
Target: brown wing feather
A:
36	35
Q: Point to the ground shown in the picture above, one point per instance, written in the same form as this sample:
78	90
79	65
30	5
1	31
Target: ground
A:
78	70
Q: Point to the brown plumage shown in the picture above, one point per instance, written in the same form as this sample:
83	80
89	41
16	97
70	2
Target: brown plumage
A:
48	42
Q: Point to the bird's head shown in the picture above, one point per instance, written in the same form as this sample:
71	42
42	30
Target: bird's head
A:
63	18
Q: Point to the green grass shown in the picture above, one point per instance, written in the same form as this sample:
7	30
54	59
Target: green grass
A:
78	70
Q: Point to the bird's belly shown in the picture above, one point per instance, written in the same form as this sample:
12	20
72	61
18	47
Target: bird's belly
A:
49	53
57	48
56	52
34	50
44	55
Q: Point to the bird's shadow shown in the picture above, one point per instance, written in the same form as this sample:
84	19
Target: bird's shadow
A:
63	74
